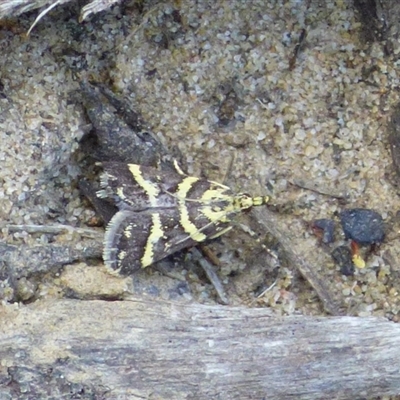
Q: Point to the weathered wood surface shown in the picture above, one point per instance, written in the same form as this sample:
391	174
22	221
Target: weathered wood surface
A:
9	8
142	349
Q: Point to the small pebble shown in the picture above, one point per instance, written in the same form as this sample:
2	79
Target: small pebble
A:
327	227
362	225
343	257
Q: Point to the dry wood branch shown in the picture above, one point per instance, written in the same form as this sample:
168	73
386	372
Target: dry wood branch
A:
269	223
211	275
338	193
10	8
141	349
54	229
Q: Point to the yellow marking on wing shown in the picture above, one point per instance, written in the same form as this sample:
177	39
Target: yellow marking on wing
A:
185	186
150	188
215	194
188	226
156	233
120	193
219	215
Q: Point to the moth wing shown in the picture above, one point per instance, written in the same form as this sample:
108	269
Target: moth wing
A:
119	247
136	187
135	240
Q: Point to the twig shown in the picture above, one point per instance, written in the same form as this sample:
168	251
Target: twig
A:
41	15
229	168
54	229
268	222
211	275
314	187
264	291
297	49
144	21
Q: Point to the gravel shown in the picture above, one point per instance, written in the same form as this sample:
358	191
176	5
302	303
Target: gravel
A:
320	117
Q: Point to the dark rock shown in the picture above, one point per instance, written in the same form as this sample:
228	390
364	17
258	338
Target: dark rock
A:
343	257
362	225
116	137
327	228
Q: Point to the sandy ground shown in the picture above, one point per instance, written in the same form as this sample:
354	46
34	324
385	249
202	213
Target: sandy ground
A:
220	82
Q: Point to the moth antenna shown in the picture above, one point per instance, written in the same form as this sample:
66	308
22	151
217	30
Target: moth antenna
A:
186	199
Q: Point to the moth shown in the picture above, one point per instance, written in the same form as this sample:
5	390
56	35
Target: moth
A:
162	212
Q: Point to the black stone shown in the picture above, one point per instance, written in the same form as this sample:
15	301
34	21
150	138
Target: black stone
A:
363	226
343	257
327	226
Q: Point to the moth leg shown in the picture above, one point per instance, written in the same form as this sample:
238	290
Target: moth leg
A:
222	232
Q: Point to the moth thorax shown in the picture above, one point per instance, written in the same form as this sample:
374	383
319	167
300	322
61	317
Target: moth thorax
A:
243	201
